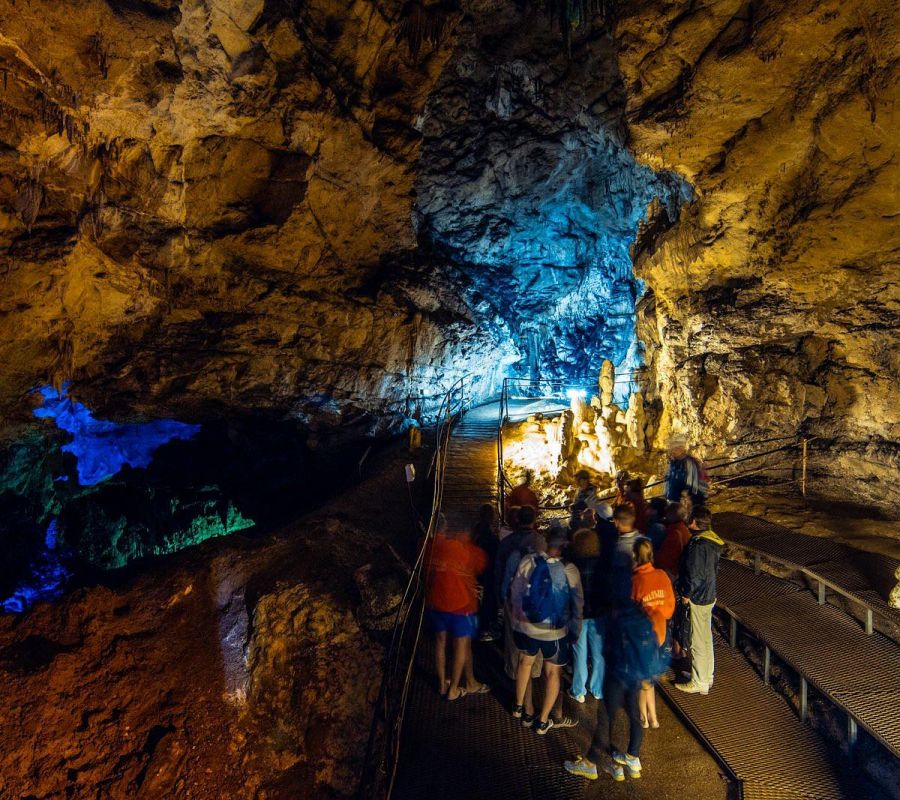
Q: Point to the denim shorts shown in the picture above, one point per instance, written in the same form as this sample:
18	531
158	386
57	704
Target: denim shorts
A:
458	625
554	651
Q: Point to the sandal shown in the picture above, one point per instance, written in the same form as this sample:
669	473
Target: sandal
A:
460	696
443	692
483	688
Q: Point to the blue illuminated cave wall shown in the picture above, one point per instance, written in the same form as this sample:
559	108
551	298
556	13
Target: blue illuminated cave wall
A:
527	186
80	496
102	447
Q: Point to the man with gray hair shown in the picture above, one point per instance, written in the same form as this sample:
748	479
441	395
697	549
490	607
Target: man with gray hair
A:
685	474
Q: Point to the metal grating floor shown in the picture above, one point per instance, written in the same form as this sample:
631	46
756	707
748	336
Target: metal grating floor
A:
857	572
859	672
472	749
757	734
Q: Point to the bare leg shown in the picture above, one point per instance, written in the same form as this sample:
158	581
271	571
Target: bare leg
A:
523	680
472	684
557	712
529	697
440	655
651	707
461	649
551	690
644	704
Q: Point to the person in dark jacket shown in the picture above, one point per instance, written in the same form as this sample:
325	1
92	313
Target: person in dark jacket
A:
584	553
656	527
686	474
633	657
586	492
605	528
523	540
697	586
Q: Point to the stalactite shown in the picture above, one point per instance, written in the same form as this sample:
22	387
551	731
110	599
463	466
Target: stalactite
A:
420	24
29	196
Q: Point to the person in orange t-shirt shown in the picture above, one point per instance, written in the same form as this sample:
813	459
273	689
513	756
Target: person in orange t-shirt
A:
652	588
452	564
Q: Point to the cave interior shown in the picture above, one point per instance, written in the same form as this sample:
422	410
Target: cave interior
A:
246	245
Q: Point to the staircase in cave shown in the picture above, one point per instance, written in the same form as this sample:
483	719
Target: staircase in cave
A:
473	749
470	477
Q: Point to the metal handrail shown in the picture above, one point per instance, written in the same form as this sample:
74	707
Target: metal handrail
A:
382	751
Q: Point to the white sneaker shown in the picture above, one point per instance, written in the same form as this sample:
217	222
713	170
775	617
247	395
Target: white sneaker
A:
691	688
578	698
632	764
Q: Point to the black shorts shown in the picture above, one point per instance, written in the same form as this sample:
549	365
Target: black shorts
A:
554	651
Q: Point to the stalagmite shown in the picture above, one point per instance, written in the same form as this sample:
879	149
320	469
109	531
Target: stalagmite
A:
634	421
607	382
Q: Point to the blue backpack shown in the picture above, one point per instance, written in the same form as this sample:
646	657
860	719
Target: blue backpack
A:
636	655
542	603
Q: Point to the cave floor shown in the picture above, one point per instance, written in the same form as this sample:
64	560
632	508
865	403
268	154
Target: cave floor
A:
846	523
474	749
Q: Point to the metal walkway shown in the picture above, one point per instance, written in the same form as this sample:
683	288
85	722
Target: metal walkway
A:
754	731
864	579
858	672
473	749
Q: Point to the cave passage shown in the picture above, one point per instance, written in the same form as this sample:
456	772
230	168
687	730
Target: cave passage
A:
535	198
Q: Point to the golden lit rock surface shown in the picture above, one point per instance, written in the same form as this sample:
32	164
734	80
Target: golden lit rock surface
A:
774	302
209	203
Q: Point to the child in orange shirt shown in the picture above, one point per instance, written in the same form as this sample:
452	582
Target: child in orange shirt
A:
652	588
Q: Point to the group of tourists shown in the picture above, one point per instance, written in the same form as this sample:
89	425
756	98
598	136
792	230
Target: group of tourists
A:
601	600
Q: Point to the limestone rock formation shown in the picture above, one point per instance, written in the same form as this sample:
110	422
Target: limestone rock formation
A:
526	185
235	671
773	304
208	204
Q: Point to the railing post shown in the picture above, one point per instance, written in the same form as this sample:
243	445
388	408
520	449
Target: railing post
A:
869	625
732	631
767	664
852	733
821	593
803	462
804	689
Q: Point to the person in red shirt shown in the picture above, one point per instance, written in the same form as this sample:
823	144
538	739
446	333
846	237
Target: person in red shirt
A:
523	495
677	536
634	496
453	564
652	588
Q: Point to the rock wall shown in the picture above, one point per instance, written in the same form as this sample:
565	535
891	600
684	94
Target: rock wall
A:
207	204
773	305
525	184
217	204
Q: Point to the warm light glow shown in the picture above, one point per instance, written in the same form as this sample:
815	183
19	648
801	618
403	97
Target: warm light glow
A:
535	446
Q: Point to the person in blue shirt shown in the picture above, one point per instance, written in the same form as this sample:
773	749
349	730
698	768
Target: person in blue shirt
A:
685	474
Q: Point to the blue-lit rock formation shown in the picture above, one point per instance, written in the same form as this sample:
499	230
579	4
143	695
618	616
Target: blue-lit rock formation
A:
526	184
102	447
47	576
